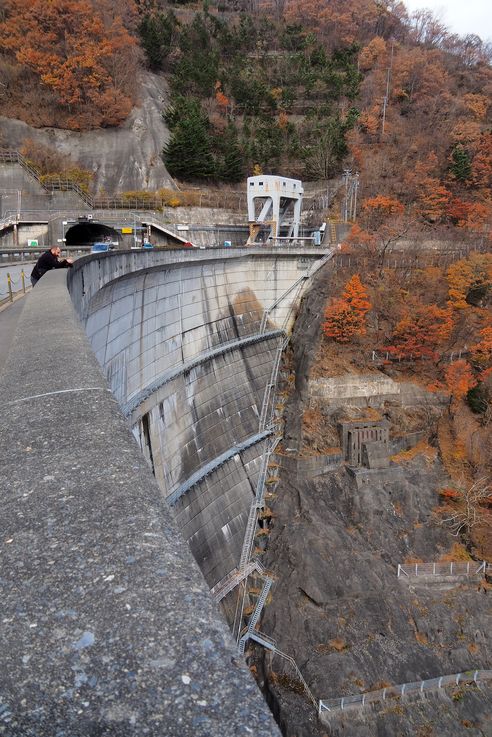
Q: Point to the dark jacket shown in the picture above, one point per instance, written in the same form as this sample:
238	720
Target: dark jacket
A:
46	262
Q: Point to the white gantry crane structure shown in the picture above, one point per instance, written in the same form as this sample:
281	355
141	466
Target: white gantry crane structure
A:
274	204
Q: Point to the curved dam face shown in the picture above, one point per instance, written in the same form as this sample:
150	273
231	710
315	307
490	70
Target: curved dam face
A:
188	346
108	625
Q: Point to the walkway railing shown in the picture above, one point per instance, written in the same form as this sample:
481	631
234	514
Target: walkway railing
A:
229	582
405	689
12	286
147	201
270	644
382	357
468	568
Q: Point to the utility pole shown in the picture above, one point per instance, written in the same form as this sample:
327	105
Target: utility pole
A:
351	181
353	196
388	80
346	176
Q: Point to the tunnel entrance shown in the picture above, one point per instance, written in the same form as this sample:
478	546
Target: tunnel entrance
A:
86	233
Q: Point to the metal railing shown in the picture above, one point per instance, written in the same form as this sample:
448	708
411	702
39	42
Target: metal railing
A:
257	504
270	644
468	568
229	582
381	357
255	616
266	407
264	422
56	184
14	286
146	201
405	689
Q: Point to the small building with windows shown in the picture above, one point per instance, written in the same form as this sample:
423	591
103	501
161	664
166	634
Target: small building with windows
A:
274	207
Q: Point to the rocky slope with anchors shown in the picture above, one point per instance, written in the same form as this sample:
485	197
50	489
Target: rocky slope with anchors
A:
338	607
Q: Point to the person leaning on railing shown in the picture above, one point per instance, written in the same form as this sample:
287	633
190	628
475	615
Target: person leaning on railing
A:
47	261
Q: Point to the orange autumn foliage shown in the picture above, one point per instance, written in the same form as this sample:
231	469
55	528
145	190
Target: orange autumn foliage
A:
83	56
432	200
381	207
355	294
467	274
371	54
481	175
345	318
482	351
420	332
221	99
476	104
459	379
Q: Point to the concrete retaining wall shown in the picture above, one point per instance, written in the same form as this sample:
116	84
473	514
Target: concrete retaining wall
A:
348	386
371	390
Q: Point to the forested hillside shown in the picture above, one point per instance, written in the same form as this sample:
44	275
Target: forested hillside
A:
306	88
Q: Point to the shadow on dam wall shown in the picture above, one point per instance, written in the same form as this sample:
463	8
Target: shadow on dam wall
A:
182	347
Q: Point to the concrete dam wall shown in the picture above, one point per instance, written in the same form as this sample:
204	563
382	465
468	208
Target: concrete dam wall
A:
185	353
108	625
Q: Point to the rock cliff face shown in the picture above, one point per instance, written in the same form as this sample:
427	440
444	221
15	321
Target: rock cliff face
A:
121	159
338	607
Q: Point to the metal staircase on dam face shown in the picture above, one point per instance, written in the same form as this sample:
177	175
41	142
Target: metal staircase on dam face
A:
246	565
258	503
234	578
253	621
269	644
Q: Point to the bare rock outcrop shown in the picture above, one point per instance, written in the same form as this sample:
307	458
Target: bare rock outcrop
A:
338	607
121	159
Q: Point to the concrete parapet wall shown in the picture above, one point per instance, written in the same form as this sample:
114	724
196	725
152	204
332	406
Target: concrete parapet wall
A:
108	626
397	445
318	465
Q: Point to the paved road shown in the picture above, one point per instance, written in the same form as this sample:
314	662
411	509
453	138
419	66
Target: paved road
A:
8	322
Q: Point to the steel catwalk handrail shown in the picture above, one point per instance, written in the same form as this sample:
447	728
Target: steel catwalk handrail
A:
134	402
215	463
451	568
270	644
469	676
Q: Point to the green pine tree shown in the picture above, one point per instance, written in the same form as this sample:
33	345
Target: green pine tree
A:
156	34
232	169
461	166
188	154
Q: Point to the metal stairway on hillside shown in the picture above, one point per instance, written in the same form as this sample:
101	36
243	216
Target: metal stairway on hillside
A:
270	644
234	578
253	621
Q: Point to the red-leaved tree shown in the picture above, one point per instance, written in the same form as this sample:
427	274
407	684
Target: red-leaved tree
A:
345	318
459	379
419	333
